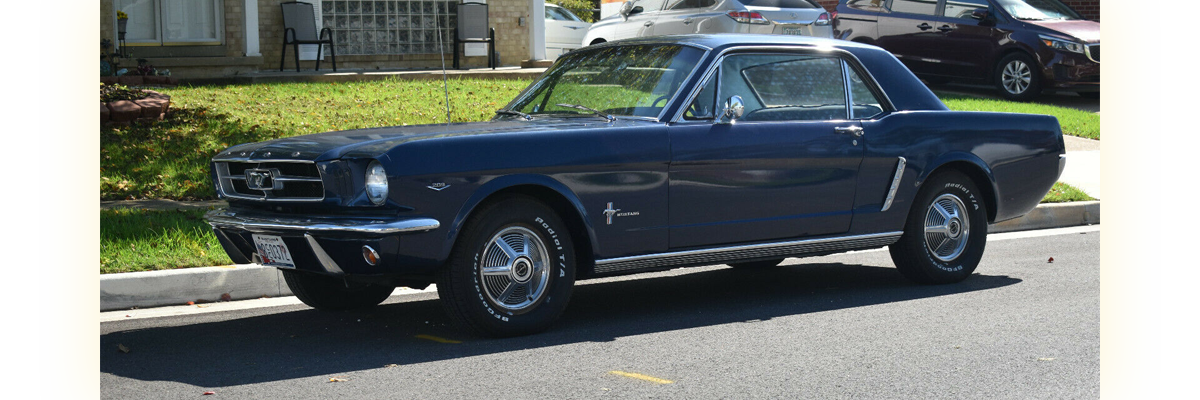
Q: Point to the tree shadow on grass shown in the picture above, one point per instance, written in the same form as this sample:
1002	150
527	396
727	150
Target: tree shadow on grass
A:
308	343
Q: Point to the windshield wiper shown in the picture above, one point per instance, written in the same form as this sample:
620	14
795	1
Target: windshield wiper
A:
527	117
598	113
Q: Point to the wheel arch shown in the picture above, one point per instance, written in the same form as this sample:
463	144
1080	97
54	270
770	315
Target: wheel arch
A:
544	189
979	174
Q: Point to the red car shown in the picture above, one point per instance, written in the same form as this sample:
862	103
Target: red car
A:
1022	47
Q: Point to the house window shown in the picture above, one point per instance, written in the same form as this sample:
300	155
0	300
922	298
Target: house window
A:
171	22
390	27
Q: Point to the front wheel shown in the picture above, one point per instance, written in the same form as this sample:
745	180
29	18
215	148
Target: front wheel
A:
332	293
511	272
1017	78
945	233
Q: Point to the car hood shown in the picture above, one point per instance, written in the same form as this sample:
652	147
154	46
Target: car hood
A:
1087	31
374	142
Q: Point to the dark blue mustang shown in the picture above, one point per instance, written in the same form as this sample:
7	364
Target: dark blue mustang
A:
634	156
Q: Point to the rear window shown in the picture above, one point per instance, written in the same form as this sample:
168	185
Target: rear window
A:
781	3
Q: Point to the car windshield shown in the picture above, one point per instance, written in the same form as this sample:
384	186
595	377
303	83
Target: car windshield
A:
1037	10
630	80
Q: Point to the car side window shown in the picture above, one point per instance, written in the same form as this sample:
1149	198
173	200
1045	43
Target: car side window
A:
785	87
704	106
649	5
680	4
962	8
927	7
865	104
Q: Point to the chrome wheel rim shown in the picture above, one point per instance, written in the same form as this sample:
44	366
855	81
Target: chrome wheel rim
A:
947	227
1016	77
514	269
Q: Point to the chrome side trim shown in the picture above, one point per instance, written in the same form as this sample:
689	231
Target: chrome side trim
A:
326	261
891	195
721	255
222	218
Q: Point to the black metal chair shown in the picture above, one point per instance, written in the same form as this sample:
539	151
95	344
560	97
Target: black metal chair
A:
300	27
473	28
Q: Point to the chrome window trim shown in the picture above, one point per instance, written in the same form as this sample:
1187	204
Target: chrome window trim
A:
891	194
845	55
720	255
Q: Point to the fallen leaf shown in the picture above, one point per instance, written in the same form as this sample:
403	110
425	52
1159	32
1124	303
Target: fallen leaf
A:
191	303
1046	359
209	393
122	348
391	365
201	306
1051	260
226	297
337	379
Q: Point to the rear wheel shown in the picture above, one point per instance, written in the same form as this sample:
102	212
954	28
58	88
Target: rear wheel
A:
332	293
1017	77
511	272
757	264
945	233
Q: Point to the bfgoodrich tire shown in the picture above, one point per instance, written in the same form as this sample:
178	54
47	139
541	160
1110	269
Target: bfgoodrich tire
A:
1018	78
945	233
331	293
512	270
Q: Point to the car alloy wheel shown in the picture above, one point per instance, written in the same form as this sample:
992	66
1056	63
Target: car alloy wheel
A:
947	228
1017	77
514	269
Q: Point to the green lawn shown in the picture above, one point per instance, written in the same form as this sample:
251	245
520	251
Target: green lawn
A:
144	240
1074	122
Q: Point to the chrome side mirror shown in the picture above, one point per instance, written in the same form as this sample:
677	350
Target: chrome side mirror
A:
734	107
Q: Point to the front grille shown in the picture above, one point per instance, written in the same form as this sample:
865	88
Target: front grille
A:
270	181
1093	52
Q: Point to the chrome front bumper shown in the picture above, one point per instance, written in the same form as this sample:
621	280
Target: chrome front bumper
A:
255	222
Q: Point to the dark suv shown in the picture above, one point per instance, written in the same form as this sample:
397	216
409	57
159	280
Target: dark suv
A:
1021	46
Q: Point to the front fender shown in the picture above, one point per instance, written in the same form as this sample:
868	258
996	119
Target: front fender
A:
509	183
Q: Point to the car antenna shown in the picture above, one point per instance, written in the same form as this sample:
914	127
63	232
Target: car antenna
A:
442	56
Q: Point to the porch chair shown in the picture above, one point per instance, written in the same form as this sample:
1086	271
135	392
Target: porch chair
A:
473	28
300	27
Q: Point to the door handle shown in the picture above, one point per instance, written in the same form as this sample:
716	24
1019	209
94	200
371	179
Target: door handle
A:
945	28
687	21
849	130
648	23
924	26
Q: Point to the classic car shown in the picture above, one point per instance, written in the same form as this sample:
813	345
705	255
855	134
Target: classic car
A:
638	155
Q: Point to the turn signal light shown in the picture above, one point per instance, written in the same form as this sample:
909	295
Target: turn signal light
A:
823	19
370	256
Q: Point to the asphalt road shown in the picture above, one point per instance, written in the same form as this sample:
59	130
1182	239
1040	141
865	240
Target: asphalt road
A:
840	326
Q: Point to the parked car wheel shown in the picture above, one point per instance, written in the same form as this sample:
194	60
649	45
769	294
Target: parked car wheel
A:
945	233
757	264
333	293
1017	77
511	272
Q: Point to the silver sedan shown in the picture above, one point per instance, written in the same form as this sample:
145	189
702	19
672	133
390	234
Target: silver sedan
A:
639	18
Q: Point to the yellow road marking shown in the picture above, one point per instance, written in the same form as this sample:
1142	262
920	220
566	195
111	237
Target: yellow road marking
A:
647	378
437	339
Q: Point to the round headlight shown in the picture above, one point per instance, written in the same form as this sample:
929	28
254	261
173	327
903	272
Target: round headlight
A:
377	185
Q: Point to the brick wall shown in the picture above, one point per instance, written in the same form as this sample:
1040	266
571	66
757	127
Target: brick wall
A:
1090	9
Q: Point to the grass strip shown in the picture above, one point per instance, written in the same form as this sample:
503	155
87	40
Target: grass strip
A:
1073	122
147	240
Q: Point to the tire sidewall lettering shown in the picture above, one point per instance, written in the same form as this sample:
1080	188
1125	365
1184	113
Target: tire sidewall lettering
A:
552	241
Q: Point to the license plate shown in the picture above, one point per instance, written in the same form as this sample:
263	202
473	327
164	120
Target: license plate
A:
793	31
273	251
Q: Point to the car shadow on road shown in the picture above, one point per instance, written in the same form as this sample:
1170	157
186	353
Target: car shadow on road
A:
290	344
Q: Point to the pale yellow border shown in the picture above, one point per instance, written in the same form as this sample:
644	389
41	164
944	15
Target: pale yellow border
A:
67	35
1132	282
1132	257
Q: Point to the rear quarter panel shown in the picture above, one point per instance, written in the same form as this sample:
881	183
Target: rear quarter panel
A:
1016	156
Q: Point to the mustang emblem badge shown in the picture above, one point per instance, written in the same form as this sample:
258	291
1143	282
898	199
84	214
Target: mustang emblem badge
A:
261	179
610	212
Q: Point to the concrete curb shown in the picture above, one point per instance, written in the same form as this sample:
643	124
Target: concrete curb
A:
240	282
177	287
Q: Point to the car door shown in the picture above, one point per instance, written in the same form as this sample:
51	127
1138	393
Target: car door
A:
676	17
786	169
908	30
564	31
640	23
967	44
